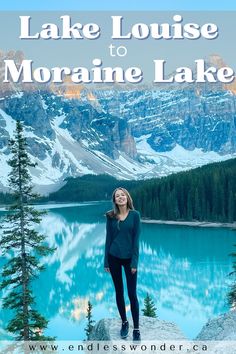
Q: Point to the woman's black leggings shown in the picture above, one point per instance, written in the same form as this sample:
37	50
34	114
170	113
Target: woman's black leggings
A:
115	265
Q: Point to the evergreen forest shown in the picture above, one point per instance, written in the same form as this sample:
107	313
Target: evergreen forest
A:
206	193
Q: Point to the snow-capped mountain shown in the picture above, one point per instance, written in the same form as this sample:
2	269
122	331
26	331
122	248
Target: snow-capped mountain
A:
125	133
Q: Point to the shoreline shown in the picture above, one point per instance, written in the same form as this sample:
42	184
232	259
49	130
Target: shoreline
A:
191	223
56	205
209	224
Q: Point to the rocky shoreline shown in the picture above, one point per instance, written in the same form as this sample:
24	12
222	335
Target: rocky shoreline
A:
190	223
221	328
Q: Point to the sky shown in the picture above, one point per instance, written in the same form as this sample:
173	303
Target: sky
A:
138	5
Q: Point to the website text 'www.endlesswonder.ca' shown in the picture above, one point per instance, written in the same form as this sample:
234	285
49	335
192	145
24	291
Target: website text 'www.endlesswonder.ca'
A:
105	347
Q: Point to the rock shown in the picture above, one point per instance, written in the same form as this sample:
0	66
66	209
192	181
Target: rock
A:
193	118
150	328
220	328
117	131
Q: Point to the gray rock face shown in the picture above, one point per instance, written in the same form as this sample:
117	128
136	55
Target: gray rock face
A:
30	108
220	328
193	118
150	328
103	132
3	133
123	133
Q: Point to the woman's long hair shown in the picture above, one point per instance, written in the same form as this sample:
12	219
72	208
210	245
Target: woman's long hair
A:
115	211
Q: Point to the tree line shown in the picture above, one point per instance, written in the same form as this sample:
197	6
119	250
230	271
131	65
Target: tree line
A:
89	188
207	193
6	198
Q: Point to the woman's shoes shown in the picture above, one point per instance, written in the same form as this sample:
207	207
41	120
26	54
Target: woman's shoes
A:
124	329
136	335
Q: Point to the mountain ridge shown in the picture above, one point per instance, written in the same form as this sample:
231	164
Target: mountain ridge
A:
128	134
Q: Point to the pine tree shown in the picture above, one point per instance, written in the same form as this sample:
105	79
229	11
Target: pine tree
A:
149	307
24	245
90	322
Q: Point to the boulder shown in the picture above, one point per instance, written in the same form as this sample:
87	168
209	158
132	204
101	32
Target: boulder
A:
151	329
220	328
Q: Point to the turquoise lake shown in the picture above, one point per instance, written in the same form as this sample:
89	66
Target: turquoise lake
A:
184	269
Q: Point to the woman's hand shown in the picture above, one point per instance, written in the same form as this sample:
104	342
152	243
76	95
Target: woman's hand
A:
107	270
133	270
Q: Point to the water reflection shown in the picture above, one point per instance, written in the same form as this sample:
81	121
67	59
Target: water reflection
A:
183	269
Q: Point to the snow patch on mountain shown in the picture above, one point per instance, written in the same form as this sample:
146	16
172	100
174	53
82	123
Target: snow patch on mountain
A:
10	123
177	159
5	169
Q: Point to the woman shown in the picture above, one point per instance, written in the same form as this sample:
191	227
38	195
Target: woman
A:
122	249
